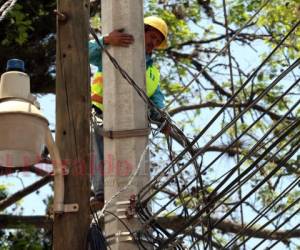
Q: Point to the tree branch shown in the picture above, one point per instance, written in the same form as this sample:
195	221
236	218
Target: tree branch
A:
175	222
243	37
272	115
22	193
32	169
231	151
218	88
13	221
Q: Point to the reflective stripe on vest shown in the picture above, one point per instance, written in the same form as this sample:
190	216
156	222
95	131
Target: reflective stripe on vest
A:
97	90
152	82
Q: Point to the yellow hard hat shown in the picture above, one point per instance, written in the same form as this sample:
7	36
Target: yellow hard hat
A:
159	24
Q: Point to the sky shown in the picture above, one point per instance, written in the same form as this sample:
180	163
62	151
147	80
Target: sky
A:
33	204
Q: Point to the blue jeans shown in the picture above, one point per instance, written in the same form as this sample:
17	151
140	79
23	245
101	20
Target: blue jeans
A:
97	170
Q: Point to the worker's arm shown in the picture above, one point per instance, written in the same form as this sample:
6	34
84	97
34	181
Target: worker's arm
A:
95	54
158	98
114	38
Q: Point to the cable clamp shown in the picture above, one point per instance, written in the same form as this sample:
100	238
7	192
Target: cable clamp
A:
131	208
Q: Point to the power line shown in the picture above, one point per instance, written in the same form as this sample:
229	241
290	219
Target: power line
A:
167	168
214	118
286	158
165	238
296	63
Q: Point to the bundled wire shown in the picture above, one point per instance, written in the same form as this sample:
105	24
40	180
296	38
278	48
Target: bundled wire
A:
150	184
151	217
96	240
152	194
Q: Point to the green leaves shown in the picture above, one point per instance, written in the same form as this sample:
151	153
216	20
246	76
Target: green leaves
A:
277	17
238	14
176	87
22	24
27	238
179	30
3	192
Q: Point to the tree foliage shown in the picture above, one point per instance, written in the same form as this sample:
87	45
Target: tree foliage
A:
197	87
28	32
27	237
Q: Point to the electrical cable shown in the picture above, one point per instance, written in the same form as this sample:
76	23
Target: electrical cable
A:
126	226
296	63
287	157
264	211
141	208
225	106
284	236
246	157
276	217
189	222
95	235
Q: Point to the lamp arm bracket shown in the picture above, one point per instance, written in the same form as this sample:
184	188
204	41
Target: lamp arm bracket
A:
64	208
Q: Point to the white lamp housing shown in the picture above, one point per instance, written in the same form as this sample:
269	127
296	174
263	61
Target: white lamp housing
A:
22	125
24	131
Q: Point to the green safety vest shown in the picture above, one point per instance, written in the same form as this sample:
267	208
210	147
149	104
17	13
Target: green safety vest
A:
152	82
97	90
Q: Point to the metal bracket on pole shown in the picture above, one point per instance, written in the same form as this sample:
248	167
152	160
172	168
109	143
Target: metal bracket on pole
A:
64	208
71	208
119	237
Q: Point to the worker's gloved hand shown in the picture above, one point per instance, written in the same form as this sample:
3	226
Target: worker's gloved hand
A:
118	38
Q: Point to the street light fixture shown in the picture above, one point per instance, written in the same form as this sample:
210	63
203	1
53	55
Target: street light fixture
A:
24	131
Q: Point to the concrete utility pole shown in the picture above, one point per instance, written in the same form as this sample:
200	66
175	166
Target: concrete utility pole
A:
124	110
72	120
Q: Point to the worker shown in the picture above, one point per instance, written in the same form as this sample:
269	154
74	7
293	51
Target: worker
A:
156	31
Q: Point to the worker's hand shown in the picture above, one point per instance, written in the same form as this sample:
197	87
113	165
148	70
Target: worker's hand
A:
118	38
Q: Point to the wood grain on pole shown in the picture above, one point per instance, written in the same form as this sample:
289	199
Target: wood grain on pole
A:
72	120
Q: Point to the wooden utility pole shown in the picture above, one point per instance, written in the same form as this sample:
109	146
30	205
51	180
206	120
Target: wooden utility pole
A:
72	120
124	110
